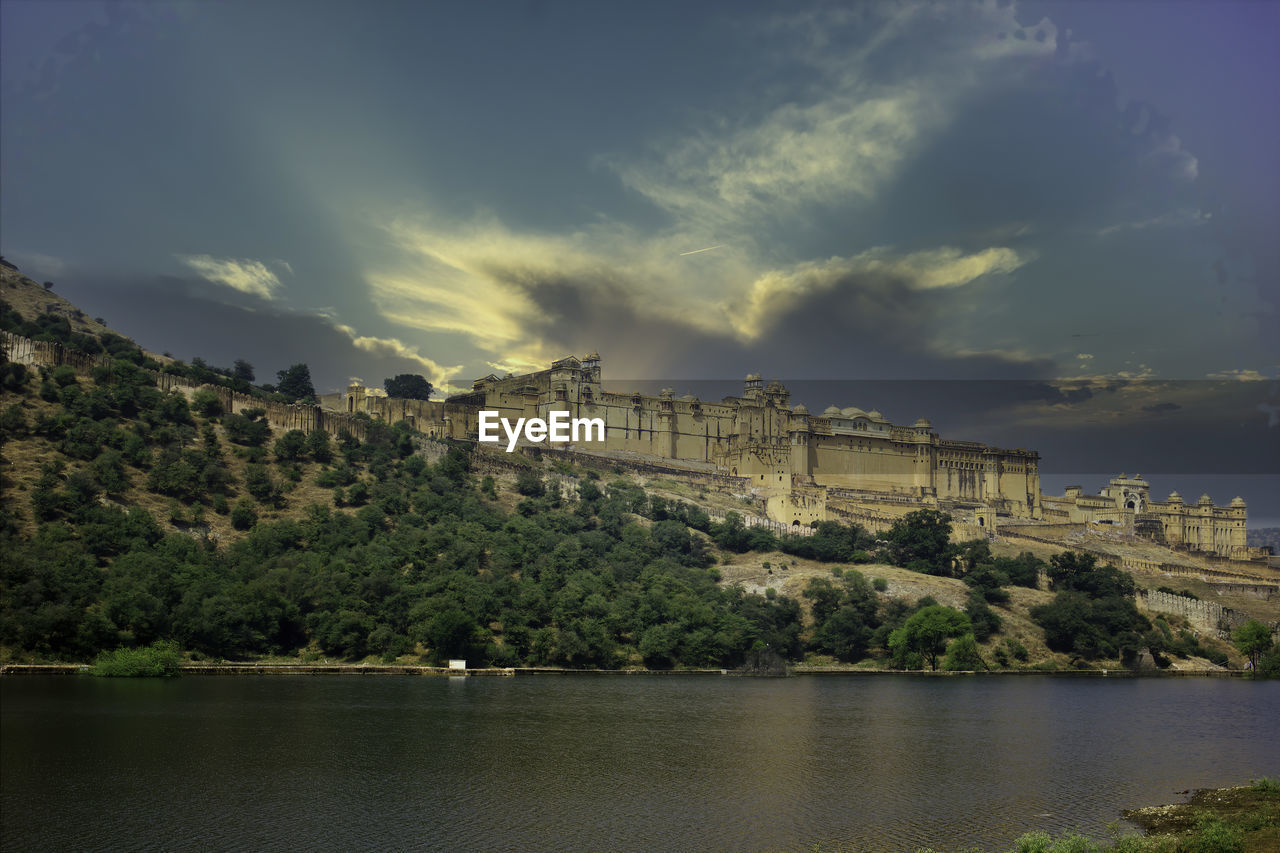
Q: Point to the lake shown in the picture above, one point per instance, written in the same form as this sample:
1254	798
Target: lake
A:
608	762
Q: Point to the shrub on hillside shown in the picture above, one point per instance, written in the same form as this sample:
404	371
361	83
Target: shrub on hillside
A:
159	660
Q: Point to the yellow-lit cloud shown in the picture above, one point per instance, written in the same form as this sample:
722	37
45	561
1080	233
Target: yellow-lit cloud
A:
1248	375
438	374
724	183
927	270
497	287
247	276
485	281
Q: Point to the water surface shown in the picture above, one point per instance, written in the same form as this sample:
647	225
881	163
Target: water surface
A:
608	762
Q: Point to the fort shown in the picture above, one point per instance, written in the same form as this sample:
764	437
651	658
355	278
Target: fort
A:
845	464
803	467
1126	502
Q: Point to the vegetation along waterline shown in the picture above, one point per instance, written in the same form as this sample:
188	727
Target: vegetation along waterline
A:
1244	819
132	516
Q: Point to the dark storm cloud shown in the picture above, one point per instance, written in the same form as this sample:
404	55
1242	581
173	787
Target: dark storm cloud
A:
861	323
799	139
1048	150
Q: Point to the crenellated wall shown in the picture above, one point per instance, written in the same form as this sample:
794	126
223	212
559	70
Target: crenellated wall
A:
46	353
279	415
1208	616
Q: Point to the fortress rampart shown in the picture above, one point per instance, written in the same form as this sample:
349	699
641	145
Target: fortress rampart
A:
1208	616
798	464
279	415
846	464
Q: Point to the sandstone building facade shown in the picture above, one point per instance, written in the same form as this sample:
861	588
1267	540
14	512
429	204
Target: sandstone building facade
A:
1126	502
805	467
845	463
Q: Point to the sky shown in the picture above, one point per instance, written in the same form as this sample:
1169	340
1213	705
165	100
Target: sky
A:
1049	224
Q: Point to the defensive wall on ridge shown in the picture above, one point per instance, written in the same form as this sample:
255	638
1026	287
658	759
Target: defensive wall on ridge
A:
1208	616
760	446
280	415
1153	567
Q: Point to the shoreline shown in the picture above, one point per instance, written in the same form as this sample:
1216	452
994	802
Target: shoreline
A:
508	672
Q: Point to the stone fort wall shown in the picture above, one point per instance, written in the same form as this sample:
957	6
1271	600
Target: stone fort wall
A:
787	456
1208	616
279	415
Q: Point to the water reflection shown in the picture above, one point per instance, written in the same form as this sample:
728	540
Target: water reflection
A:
599	762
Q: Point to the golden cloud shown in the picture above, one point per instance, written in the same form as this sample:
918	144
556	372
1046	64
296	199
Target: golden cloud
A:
438	374
927	270
247	276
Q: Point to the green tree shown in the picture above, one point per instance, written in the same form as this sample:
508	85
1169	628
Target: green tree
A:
732	534
258	482
1067	569
922	541
450	633
1253	640
844	634
319	446
243	515
176	477
246	430
13	422
108	469
206	402
658	645
925	634
295	383
985	621
529	484
291	447
242	370
408	386
825	597
963	655
1023	570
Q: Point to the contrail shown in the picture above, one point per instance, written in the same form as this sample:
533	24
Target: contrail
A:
708	249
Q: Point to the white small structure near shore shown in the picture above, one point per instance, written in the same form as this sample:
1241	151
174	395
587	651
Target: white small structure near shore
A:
457	664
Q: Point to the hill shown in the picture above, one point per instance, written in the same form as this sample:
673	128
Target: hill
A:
34	301
133	515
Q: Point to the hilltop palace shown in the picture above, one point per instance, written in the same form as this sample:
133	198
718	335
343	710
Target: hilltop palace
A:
842	464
